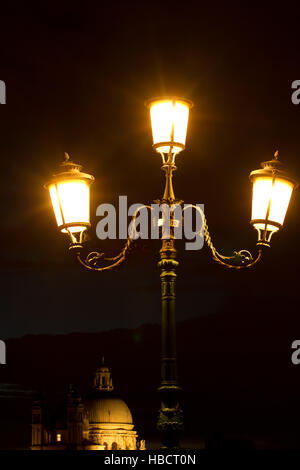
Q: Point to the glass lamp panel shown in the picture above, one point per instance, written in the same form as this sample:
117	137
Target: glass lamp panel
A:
55	204
71	203
161	113
278	193
262	188
181	115
281	196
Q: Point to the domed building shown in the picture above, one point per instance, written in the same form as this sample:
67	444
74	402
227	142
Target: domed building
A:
101	421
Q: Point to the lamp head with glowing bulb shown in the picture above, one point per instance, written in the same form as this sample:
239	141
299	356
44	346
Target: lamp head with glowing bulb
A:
69	191
272	190
169	120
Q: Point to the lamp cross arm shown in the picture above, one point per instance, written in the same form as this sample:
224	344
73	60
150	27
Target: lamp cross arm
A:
97	260
239	259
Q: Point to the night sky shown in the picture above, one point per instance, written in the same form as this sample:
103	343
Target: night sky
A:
77	75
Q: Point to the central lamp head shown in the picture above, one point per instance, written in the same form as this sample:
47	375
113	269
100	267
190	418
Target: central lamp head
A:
169	120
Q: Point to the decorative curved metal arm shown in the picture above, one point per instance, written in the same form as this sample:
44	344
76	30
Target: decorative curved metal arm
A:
95	260
240	259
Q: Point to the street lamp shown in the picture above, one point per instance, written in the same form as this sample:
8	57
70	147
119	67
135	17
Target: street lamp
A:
69	192
169	120
272	190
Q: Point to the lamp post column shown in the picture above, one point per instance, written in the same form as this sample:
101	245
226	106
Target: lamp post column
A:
170	420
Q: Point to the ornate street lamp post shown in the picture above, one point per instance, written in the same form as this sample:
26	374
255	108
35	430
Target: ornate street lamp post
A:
70	190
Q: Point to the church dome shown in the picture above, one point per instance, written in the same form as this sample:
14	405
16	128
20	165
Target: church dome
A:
104	409
107	410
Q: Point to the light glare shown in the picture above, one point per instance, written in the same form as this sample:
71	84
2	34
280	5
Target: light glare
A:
169	120
71	203
277	193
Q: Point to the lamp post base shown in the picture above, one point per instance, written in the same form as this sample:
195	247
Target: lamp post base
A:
170	418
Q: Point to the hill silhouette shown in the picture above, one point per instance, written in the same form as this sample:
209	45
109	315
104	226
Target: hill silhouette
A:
237	378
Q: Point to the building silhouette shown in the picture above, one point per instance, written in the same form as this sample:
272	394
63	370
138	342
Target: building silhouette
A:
100	421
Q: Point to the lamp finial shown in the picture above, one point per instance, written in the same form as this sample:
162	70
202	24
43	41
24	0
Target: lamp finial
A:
276	154
67	156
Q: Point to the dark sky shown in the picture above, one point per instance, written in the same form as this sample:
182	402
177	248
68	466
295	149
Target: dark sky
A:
77	75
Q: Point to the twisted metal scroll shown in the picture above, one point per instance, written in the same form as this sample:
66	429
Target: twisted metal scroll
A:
93	259
244	257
